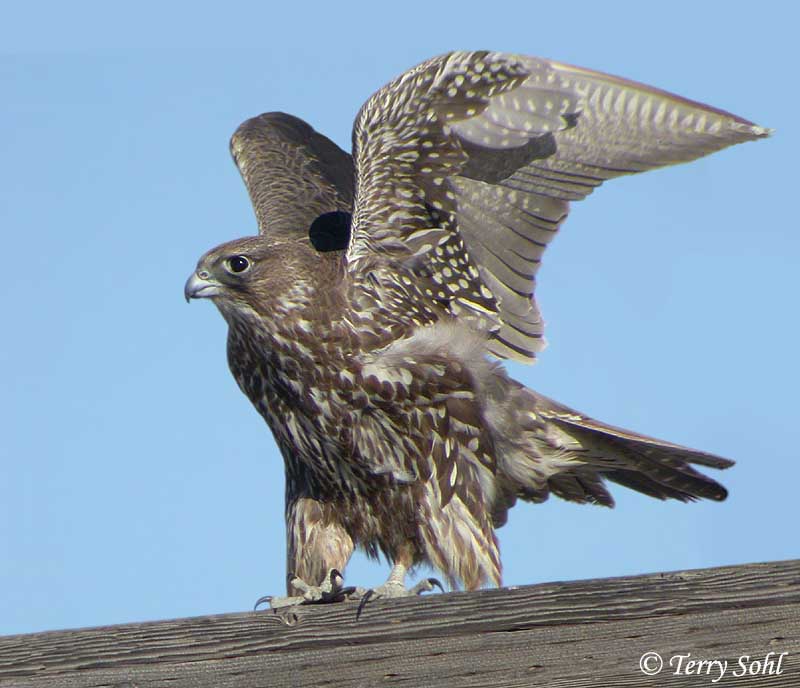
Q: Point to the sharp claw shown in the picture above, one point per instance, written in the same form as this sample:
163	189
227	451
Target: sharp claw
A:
338	595
262	600
425	585
334	578
363	603
436	582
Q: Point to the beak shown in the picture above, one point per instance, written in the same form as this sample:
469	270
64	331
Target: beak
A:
200	286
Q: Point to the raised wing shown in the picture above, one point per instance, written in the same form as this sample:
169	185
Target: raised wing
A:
293	174
466	164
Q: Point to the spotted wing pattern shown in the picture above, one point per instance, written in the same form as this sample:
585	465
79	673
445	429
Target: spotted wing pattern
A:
467	163
292	173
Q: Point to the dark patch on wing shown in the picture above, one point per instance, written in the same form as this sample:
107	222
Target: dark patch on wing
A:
493	165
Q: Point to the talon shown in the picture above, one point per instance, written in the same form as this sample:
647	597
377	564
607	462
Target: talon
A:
262	600
367	596
335	580
329	590
435	582
426	585
394	588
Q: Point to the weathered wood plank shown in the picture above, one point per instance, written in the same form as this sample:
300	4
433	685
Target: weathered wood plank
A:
583	633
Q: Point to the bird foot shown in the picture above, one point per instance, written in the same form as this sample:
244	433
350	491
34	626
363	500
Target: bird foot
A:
393	589
331	590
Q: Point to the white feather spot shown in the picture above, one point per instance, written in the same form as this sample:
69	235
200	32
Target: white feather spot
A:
454	475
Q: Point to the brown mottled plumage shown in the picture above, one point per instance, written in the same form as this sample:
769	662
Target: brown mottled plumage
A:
370	365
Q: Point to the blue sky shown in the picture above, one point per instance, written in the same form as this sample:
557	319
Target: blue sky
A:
138	483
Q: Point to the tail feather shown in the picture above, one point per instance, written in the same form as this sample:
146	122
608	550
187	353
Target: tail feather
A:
582	486
652	470
566	416
571	455
648	486
651	466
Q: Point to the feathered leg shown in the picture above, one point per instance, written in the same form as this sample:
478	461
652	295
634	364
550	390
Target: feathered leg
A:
317	551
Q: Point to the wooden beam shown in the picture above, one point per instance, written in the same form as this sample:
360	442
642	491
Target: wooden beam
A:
584	633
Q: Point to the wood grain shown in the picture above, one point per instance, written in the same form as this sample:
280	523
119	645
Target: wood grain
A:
584	633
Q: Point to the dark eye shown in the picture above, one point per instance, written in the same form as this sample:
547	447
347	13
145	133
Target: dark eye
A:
238	263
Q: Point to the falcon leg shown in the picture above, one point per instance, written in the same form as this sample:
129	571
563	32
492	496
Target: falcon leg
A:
331	590
395	586
317	548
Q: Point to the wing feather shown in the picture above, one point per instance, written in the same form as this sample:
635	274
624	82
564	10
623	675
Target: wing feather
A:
490	148
292	173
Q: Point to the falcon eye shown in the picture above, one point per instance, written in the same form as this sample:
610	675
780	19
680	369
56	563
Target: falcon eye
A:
237	263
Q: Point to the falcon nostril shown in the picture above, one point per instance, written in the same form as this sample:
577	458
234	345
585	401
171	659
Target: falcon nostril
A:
203	274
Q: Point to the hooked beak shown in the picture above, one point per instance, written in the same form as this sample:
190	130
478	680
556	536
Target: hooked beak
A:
200	286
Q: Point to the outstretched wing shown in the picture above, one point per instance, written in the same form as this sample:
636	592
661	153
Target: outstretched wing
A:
467	163
293	174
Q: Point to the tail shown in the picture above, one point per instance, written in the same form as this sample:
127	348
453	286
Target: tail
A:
561	451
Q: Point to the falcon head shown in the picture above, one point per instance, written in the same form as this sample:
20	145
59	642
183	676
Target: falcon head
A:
234	271
248	276
265	276
264	266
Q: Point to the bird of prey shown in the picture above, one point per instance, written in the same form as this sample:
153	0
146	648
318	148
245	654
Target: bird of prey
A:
369	317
